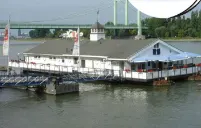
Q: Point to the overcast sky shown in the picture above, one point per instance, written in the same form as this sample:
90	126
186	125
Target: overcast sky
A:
84	11
75	11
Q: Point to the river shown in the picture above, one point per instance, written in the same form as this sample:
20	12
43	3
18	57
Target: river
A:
104	105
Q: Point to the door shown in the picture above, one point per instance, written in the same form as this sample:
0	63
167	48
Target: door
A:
160	65
83	63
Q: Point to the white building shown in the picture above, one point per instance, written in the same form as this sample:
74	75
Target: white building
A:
139	60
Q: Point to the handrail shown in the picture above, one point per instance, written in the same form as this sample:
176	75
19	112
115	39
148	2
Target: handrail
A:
44	81
33	80
20	80
6	81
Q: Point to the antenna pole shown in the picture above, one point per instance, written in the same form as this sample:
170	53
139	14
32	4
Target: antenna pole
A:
97	14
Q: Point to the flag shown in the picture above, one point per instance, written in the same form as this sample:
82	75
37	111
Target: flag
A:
76	45
75	36
6	41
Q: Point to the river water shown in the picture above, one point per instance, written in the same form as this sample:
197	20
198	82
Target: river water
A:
104	105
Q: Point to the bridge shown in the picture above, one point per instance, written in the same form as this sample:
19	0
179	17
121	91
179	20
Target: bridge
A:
63	26
41	24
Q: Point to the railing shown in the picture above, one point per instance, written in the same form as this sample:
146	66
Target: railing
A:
20	25
22	80
105	72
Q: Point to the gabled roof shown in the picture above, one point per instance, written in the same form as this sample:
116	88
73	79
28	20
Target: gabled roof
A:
152	44
111	48
119	48
55	47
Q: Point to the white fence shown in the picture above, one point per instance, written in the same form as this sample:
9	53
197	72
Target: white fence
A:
123	74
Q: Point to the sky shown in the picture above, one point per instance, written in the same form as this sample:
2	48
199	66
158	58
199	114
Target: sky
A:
84	10
70	11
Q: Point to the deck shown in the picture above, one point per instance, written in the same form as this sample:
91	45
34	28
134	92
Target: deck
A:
132	75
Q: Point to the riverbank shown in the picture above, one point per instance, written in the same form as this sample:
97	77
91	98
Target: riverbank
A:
33	40
41	40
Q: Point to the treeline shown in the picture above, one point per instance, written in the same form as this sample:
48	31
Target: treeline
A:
157	28
46	33
174	27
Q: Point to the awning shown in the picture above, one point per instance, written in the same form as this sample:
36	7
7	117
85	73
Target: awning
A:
158	58
177	57
189	55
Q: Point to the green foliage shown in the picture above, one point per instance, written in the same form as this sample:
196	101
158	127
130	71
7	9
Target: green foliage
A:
157	28
174	27
39	33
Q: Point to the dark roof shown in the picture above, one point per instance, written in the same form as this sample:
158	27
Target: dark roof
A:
56	47
97	25
112	48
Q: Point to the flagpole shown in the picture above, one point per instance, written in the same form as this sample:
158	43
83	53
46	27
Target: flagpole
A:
78	37
8	44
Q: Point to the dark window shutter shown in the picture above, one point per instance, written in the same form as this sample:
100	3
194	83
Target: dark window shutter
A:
154	51
158	51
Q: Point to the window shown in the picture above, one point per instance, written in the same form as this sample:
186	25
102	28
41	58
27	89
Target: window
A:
170	64
153	64
156	50
156	45
143	65
63	60
148	63
75	60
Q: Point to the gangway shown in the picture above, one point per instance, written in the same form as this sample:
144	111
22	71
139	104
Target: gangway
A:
38	79
20	80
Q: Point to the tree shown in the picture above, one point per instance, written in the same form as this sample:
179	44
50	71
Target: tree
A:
39	33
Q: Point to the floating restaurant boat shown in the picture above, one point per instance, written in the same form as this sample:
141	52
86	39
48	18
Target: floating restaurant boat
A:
133	60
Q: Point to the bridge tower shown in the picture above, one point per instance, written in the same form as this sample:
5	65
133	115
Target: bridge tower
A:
19	32
139	34
126	12
115	12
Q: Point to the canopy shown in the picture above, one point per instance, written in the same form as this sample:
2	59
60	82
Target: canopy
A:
177	57
158	58
189	55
